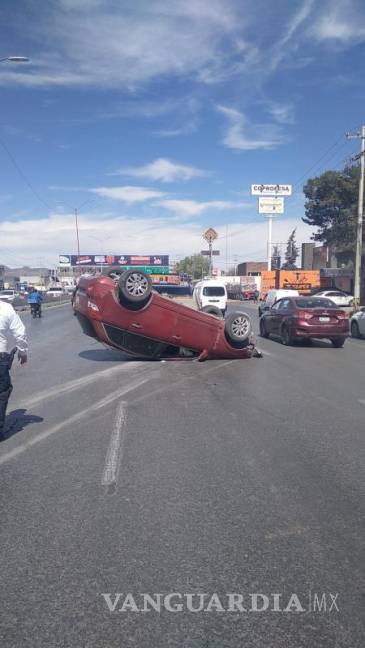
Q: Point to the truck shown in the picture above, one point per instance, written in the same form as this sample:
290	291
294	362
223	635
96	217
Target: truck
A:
304	281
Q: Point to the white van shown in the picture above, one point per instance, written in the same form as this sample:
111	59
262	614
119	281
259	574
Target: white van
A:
274	295
210	292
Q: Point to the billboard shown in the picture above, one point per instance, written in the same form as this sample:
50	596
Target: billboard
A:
271	190
271	205
122	260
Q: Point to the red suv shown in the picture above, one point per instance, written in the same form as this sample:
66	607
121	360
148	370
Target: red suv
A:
127	314
305	317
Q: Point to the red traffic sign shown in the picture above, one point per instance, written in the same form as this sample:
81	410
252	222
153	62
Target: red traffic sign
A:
210	235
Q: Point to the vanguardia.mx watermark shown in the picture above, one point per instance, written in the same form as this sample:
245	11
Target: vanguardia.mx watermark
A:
174	602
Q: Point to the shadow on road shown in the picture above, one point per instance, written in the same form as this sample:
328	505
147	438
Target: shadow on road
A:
104	355
17	420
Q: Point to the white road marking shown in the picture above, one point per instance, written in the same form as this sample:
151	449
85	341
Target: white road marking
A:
115	449
70	421
65	388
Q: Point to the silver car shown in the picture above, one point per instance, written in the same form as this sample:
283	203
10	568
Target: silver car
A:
357	323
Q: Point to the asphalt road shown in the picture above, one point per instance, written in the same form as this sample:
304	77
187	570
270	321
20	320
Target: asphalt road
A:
123	476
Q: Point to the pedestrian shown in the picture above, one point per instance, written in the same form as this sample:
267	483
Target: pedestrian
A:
12	330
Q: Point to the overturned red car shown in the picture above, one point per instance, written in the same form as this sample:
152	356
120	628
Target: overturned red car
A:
125	313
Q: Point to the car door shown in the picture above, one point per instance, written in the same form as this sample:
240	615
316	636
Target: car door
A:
271	318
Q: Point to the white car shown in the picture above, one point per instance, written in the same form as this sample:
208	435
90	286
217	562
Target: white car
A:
274	295
340	298
8	295
56	291
357	323
210	296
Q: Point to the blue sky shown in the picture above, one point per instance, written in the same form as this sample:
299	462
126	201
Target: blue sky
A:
154	118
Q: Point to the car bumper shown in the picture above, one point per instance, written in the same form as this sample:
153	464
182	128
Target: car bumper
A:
304	330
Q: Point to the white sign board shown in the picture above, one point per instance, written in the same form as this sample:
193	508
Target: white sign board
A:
271	190
271	205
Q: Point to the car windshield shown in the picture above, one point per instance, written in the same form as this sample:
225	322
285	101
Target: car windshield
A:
213	291
3	293
319	302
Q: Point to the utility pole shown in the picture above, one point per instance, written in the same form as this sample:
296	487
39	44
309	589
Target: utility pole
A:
269	244
77	233
360	210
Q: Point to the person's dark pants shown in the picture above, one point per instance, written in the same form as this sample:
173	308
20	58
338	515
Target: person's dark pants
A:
5	387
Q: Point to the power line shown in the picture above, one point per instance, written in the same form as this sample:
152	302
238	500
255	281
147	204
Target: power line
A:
23	176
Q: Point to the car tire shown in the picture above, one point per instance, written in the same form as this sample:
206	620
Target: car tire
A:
134	288
213	310
286	336
238	329
338	342
355	331
263	330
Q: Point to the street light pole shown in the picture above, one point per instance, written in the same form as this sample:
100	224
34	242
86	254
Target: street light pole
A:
77	233
360	211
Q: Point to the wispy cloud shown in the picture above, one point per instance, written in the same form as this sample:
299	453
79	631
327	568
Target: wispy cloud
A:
244	136
282	113
281	48
127	194
110	45
189	208
163	170
342	22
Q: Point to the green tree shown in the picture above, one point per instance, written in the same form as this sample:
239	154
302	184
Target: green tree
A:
196	265
331	206
291	253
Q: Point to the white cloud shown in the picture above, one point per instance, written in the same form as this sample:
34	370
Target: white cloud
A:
282	48
49	237
188	208
163	170
342	21
127	194
243	136
113	45
282	113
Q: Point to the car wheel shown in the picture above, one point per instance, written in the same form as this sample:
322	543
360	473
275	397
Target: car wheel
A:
134	288
338	342
238	329
286	336
212	310
355	331
263	330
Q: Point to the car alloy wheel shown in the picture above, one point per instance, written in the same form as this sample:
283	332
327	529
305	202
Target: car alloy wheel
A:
238	328
134	287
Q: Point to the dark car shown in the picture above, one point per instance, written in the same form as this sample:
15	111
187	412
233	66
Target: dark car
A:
304	318
127	314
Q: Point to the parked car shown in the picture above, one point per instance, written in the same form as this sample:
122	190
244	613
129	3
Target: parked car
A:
127	314
210	295
339	297
273	296
304	318
56	291
357	323
8	295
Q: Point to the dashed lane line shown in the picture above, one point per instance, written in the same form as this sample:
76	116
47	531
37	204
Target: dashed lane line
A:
114	453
